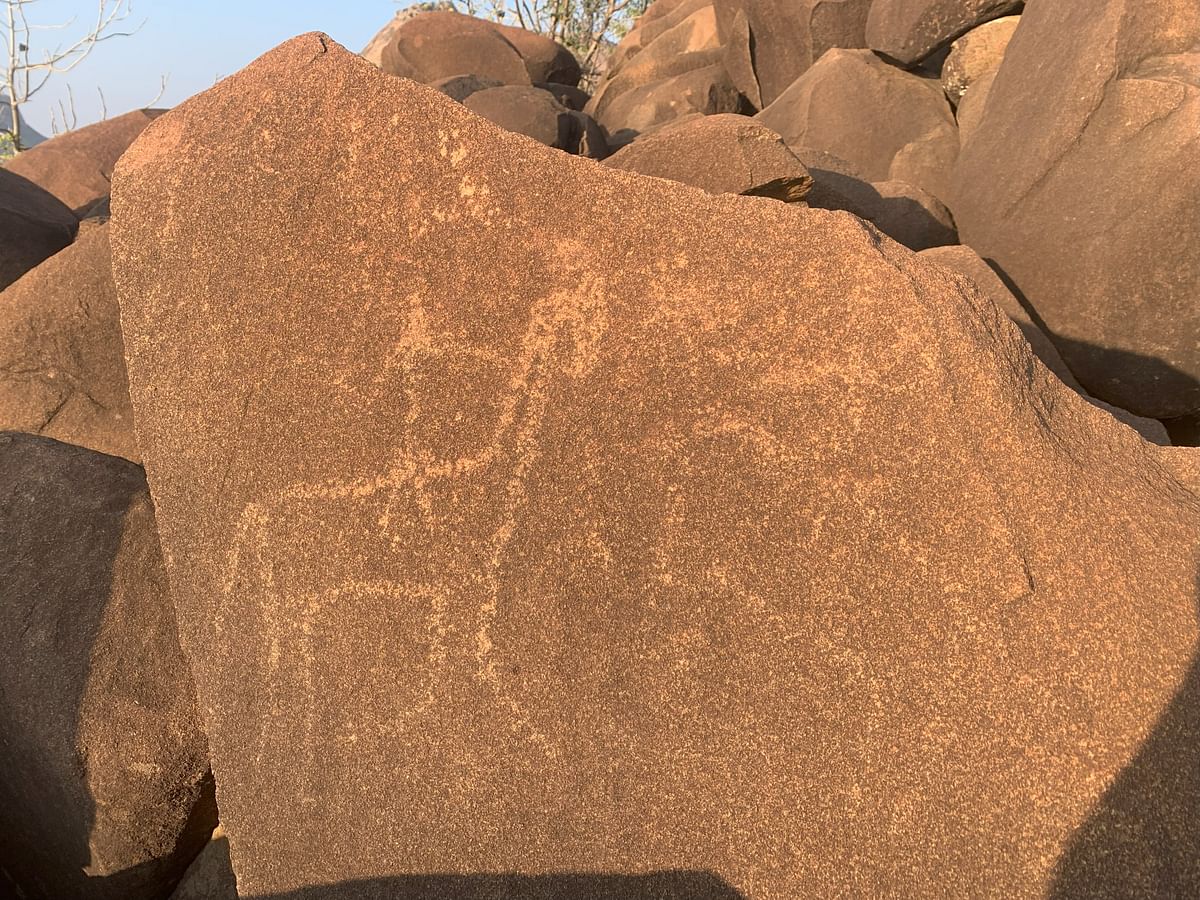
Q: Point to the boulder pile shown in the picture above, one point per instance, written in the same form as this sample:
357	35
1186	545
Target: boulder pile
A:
427	476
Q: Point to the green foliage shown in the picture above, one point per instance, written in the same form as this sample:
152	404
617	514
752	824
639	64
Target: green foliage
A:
8	146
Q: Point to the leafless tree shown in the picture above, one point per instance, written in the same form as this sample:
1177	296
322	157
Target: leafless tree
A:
26	70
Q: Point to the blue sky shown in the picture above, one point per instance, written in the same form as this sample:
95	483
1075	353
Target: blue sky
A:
192	41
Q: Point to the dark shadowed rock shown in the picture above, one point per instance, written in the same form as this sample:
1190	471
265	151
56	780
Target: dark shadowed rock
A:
104	784
210	876
687	532
34	225
888	123
909	30
966	262
535	113
1081	183
76	167
570	97
460	87
979	51
904	213
771	43
62	363
436	45
719	154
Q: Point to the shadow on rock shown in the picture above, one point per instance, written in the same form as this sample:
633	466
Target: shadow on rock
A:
672	885
1143	837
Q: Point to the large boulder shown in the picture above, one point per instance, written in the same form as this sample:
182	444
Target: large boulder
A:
1081	183
967	263
976	53
440	44
719	154
34	225
537	114
907	31
373	52
905	213
971	105
689	532
62	363
677	72
771	43
891	125
105	790
76	167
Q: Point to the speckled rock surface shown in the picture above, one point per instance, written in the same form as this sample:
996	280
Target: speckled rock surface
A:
979	51
697	533
76	167
909	30
104	785
1081	182
771	43
719	154
888	123
34	225
62	364
435	45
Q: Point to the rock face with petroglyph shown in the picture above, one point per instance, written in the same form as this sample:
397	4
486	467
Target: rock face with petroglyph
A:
1073	130
729	537
62	366
105	792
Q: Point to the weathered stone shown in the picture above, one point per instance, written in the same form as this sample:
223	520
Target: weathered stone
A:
437	45
210	876
104	785
687	532
460	87
966	262
979	51
904	213
373	52
34	225
1081	183
62	364
971	106
888	123
719	154
771	43
570	97
659	17
535	113
909	30
678	73
76	167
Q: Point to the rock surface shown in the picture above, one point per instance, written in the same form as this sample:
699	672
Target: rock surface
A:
436	45
1080	181
910	30
373	52
771	43
76	167
104	783
966	262
210	876
34	225
971	106
889	124
535	113
722	538
62	364
979	51
719	154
